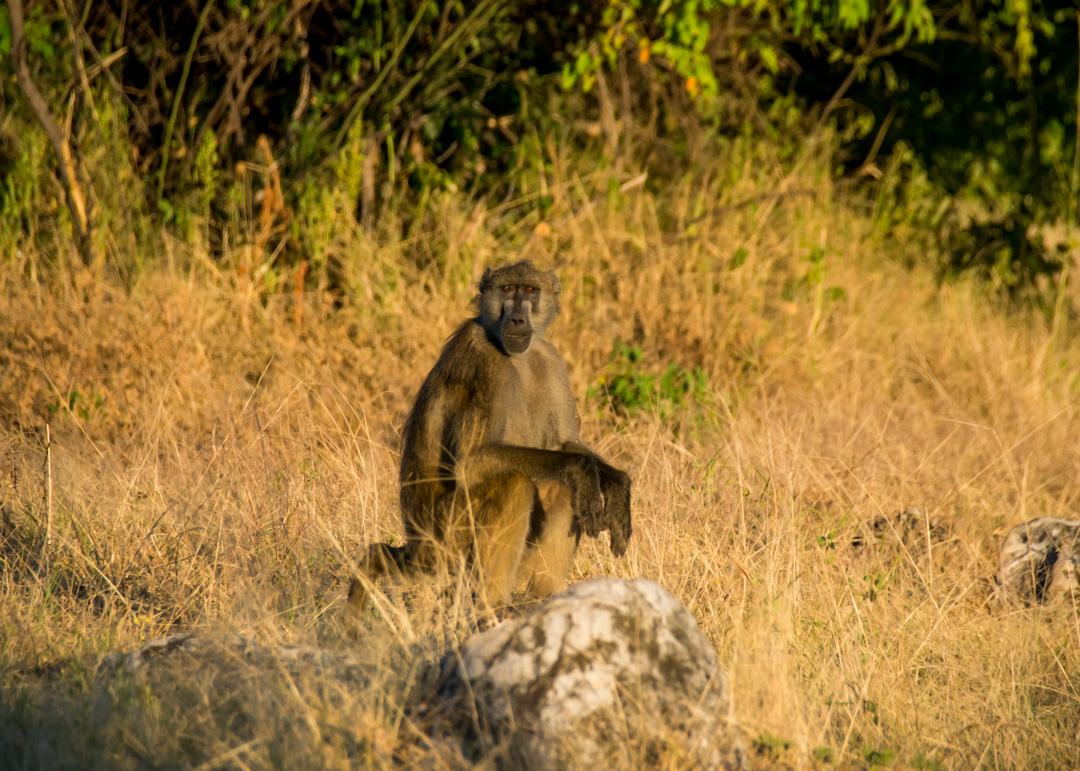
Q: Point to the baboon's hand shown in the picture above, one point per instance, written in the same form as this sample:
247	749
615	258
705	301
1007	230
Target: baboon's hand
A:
615	485
583	479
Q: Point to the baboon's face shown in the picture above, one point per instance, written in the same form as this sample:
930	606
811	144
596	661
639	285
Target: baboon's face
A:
516	303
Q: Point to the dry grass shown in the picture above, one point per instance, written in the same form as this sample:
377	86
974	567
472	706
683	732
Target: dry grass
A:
218	461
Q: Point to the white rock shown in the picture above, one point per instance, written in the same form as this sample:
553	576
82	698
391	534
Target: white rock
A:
1040	560
603	673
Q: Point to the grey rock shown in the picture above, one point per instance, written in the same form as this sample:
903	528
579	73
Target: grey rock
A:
189	648
909	528
605	673
1040	561
234	691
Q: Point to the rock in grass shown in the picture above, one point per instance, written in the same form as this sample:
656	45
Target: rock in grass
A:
908	529
1040	560
602	674
182	648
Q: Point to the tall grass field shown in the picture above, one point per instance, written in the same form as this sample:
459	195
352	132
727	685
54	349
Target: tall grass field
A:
827	448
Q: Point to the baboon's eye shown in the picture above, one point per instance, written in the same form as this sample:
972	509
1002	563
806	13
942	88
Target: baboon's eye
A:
530	289
506	288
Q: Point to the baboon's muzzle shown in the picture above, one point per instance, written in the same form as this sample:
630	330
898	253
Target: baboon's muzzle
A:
516	329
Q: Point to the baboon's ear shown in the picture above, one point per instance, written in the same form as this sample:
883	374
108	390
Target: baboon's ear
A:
484	280
556	285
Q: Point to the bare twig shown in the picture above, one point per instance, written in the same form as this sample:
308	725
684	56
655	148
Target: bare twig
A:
878	139
304	99
46	547
247	50
103	64
867	54
68	177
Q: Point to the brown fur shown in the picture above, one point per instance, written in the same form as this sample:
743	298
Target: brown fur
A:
492	467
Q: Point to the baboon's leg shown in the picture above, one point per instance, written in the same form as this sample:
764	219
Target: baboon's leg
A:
550	553
501	511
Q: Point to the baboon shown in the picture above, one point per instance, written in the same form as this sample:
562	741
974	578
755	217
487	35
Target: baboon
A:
492	465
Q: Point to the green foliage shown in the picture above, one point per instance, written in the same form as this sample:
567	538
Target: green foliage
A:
973	105
1007	250
813	282
44	33
980	123
923	763
906	198
673	34
875	758
819	22
828	540
770	746
207	172
876	582
676	34
815	272
627	388
22	187
77	404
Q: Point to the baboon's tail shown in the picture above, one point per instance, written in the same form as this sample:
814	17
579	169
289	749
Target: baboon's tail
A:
381	559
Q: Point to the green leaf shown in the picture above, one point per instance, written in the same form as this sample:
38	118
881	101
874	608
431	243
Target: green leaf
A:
768	58
569	77
167	211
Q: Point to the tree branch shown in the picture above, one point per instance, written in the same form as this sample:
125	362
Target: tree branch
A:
868	53
40	110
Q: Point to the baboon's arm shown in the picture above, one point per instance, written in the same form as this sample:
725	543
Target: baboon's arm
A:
579	472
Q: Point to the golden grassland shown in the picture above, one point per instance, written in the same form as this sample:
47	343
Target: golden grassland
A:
221	454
